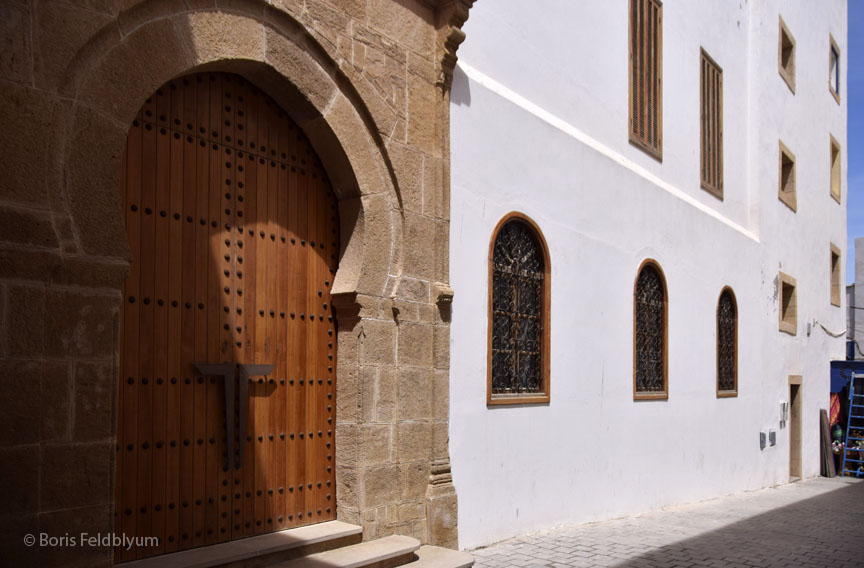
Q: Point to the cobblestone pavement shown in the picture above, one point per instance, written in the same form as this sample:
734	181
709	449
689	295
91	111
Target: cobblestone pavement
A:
818	522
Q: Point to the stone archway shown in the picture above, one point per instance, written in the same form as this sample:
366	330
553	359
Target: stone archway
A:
379	125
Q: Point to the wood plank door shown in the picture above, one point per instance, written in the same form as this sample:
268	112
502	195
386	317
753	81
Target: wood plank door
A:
227	375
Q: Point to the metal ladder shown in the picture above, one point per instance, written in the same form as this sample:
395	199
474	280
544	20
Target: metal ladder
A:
856	413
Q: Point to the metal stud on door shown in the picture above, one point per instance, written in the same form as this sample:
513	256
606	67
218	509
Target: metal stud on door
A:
227	384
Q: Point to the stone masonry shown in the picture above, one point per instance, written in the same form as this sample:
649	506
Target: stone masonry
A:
368	81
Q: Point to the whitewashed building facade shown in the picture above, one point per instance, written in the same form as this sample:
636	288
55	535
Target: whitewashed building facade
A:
738	185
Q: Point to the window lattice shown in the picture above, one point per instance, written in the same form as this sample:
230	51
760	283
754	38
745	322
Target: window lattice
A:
650	331
727	320
646	62
517	311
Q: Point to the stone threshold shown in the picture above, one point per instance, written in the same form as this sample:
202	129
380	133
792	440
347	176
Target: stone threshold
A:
258	550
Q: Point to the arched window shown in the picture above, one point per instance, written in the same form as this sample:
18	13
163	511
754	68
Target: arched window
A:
727	344
518	364
650	333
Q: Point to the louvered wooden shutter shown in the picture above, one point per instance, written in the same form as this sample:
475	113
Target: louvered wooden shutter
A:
711	104
646	64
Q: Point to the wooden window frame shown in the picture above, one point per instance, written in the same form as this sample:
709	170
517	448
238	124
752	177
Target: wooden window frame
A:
787	195
832	50
836	155
788	325
836	288
711	124
734	392
653	395
641	141
539	398
786	71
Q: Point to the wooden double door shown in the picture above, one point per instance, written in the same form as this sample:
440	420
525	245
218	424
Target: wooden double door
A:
227	375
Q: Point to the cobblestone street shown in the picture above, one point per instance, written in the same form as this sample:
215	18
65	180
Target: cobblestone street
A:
818	522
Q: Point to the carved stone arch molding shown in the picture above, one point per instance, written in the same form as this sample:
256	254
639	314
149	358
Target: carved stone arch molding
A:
392	457
277	55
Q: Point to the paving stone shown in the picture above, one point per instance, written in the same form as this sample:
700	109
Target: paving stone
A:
811	523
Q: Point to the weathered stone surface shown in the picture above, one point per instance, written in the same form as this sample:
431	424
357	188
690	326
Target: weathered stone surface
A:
25	321
327	22
436	200
415	345
75	475
415	477
134	68
2	319
412	289
290	60
90	520
219	35
27	227
387	399
415	393
424	112
377	342
12	531
49	266
421	248
381	485
80	324
441	395
56	401
441	341
19	477
414	441
408	166
376	441
93	184
442	259
358	145
95	385
20	380
348	398
16	48
32	126
61	30
409	22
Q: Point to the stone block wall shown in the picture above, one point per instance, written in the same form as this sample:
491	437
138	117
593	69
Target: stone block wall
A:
368	80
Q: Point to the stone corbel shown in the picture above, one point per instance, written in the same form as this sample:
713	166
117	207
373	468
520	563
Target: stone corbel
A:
442	294
450	15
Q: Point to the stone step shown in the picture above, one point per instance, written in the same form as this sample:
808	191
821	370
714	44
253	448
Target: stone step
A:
436	557
264	550
385	552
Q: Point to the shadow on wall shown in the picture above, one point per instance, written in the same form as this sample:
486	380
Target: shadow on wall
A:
460	91
821	531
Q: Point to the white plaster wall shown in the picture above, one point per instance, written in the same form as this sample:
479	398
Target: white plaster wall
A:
539	125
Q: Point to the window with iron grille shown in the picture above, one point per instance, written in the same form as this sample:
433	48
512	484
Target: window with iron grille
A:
519	313
650	333
727	344
711	102
646	76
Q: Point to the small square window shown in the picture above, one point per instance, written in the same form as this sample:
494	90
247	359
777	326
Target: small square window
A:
834	68
788	304
835	170
835	275
786	189
786	56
